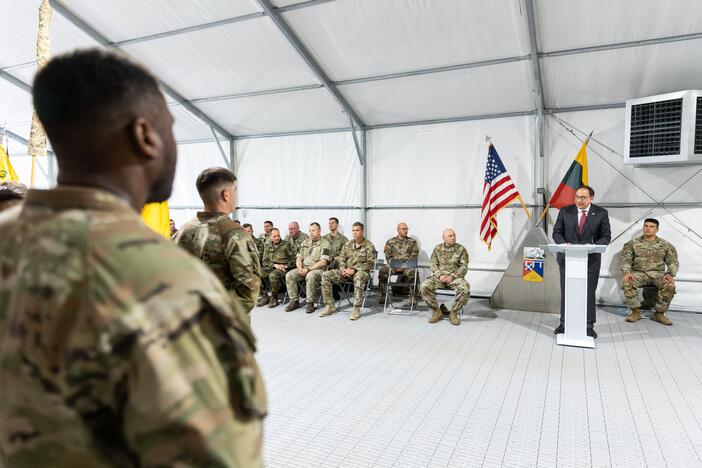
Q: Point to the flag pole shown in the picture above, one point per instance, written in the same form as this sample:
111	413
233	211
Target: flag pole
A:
519	197
543	215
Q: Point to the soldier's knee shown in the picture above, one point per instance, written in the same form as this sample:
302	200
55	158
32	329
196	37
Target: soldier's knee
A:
630	289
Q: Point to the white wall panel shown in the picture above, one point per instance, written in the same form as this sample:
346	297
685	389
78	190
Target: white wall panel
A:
300	110
127	19
475	91
240	57
192	159
568	24
281	219
614	76
356	38
444	164
304	170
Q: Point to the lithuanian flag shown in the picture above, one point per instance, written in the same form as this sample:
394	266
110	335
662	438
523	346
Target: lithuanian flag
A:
156	216
574	178
7	172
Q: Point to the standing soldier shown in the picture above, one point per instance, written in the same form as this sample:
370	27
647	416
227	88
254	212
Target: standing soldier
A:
402	248
117	347
355	263
278	259
336	241
649	261
296	238
449	265
310	262
220	242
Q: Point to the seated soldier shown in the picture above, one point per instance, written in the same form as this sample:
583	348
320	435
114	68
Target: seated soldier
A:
355	263
336	240
402	248
449	265
649	261
278	258
311	261
296	238
259	243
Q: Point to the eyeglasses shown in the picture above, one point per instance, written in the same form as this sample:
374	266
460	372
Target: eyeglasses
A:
577	197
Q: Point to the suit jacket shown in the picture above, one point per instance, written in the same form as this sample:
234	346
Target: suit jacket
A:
595	231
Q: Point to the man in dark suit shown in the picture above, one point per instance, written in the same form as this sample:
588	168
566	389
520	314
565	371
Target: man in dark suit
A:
582	223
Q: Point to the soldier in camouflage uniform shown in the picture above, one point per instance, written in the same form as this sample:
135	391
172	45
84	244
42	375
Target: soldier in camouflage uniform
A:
355	264
296	237
449	265
337	241
265	235
311	261
221	243
649	261
259	243
278	259
117	348
402	248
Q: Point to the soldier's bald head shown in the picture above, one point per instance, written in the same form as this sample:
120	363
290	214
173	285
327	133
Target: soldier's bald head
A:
449	236
402	229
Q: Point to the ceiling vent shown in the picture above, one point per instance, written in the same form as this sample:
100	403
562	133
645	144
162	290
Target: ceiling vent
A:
664	129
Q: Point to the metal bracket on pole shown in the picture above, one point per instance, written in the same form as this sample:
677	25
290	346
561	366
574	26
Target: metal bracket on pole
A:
360	149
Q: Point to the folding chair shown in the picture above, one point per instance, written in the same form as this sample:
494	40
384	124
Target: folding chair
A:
346	289
391	285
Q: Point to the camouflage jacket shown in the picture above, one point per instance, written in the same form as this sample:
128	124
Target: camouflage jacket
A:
449	261
228	250
401	249
297	243
259	247
281	253
358	258
337	243
313	251
118	348
649	256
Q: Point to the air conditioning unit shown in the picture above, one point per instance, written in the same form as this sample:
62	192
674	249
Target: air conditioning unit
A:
664	129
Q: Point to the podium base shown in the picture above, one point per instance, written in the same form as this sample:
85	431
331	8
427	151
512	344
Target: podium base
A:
587	342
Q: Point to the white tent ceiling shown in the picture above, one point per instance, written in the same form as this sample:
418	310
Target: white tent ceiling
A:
392	61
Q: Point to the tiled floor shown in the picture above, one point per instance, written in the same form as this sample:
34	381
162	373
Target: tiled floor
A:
495	391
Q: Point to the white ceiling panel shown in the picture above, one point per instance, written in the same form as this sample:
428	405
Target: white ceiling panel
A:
475	91
300	110
18	33
241	57
569	24
15	107
128	19
616	75
188	127
360	38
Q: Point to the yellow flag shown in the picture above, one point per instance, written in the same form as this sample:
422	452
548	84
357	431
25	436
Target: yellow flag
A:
6	170
156	216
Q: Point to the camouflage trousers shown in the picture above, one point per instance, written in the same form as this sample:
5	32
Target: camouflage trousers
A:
275	278
405	277
666	291
431	284
332	277
312	281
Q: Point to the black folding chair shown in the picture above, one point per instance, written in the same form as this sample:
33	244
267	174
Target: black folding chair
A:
391	285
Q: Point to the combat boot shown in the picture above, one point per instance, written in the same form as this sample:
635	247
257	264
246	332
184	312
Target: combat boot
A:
274	298
310	307
381	298
292	306
262	301
634	315
661	318
443	309
454	317
327	311
436	315
356	314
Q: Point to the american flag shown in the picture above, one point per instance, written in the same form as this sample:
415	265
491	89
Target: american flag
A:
498	192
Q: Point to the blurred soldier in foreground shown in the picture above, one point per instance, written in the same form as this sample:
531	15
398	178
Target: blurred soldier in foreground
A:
449	265
278	259
220	242
310	262
296	238
355	263
649	261
336	241
402	248
116	347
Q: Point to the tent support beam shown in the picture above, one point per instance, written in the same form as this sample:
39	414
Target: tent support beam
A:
97	36
559	110
311	62
538	167
622	45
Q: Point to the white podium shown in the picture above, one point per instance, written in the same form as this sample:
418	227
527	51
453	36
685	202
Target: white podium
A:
575	320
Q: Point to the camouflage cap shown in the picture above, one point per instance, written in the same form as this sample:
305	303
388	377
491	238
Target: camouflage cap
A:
10	190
